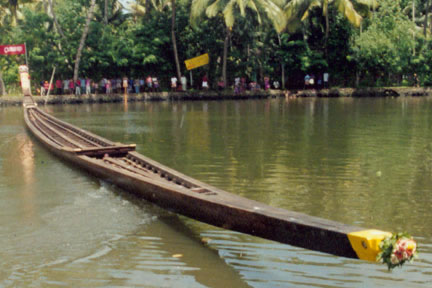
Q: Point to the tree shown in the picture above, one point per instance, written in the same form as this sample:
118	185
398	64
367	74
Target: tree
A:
13	6
173	38
106	12
3	88
53	14
144	7
111	11
229	10
140	10
386	46
83	39
349	8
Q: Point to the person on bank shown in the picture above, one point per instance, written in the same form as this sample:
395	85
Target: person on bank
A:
306	81
59	87
125	85
173	83
205	82
184	83
78	87
326	79
71	86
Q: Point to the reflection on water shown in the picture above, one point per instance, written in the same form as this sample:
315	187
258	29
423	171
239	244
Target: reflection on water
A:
26	158
365	162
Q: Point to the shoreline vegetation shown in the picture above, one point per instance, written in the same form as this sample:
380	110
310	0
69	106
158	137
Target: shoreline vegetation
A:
350	43
222	95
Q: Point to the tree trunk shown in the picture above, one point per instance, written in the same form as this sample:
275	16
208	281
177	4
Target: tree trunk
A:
357	80
57	25
147	8
173	38
413	19
282	64
83	39
3	88
106	12
225	56
327	31
425	24
13	10
45	5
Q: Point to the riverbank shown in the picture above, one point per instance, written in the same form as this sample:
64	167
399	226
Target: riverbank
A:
365	92
222	95
146	96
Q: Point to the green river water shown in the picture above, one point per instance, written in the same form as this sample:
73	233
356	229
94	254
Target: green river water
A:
365	162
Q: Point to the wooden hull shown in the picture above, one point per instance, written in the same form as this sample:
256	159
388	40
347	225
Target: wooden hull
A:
119	164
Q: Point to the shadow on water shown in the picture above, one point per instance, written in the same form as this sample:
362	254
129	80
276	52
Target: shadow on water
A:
176	239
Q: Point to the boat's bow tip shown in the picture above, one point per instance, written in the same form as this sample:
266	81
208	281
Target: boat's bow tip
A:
366	243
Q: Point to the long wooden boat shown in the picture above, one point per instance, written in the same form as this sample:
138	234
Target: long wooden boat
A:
121	165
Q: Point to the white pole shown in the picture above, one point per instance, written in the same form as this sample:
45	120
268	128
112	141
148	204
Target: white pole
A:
191	79
49	87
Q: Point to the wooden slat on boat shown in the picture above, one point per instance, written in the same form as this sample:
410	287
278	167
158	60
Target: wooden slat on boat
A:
121	165
100	151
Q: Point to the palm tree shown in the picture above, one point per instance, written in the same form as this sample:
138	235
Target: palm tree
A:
173	38
111	10
106	12
2	85
13	7
3	13
426	16
229	10
83	39
54	17
295	9
143	10
143	7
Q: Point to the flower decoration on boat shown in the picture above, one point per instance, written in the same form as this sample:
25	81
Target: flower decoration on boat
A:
397	249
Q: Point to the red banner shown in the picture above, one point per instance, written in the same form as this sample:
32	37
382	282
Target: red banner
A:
12	49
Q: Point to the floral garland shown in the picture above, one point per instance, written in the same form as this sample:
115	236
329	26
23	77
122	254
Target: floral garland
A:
397	249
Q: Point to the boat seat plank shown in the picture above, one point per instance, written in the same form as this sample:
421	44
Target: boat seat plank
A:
101	151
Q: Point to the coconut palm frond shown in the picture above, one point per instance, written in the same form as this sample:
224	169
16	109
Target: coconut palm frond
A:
138	9
228	13
346	7
214	9
296	8
313	5
372	4
275	14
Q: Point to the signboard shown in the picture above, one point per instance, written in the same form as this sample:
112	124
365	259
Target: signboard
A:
12	49
197	61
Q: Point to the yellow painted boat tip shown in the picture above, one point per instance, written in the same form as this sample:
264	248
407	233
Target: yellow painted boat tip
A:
366	243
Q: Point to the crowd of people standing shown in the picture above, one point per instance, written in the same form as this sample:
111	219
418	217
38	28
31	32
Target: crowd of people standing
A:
105	86
151	84
311	81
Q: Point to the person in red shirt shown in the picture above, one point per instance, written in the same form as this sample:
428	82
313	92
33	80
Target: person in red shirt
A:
46	86
71	86
205	82
78	87
59	87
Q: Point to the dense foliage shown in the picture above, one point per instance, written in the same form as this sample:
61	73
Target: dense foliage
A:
358	42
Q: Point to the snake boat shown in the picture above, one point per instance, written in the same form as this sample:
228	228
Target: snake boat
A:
121	165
